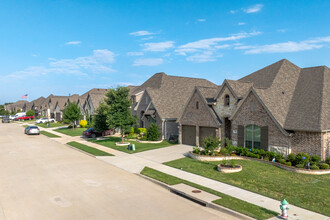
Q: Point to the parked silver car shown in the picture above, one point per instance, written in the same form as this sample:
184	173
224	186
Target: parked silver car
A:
32	130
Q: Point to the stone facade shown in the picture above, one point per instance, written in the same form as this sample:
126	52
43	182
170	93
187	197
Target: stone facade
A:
220	108
255	114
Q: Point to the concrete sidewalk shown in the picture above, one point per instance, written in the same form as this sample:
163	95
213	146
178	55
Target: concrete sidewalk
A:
134	163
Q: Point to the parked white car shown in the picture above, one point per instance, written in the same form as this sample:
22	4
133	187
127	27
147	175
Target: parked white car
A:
44	120
12	117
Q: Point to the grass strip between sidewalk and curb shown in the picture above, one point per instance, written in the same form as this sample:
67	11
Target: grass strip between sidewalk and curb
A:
88	149
232	203
71	132
51	135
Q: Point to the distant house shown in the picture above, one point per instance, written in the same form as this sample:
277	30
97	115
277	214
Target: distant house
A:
15	107
93	100
33	105
82	100
161	100
281	108
61	102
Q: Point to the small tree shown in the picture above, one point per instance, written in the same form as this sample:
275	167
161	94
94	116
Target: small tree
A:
153	134
30	113
72	113
210	144
100	119
120	115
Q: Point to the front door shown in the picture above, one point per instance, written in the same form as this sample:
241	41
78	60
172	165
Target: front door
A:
227	128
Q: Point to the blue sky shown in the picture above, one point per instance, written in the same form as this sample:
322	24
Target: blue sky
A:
67	47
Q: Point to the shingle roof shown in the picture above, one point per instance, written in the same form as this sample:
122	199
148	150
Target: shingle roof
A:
240	88
97	98
298	98
59	100
169	94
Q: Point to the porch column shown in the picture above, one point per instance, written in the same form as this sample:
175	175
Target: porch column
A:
163	129
180	133
197	136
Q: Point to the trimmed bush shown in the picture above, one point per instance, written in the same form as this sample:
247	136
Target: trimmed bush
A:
152	133
300	165
324	166
142	130
282	161
266	158
270	155
316	159
302	158
288	163
292	158
278	157
328	160
233	163
83	123
315	167
210	144
238	150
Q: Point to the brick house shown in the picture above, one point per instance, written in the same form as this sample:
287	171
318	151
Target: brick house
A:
161	99
281	108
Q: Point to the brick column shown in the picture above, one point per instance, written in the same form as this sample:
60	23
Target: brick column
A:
163	129
180	133
197	136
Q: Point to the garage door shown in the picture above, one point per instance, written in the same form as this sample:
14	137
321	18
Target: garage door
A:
58	116
206	132
189	135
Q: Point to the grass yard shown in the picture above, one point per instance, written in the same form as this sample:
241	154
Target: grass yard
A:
51	125
226	201
90	150
51	135
311	192
71	132
139	147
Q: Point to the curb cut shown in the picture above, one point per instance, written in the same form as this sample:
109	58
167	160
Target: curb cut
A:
198	201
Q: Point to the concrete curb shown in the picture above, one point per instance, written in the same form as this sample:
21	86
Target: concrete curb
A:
207	204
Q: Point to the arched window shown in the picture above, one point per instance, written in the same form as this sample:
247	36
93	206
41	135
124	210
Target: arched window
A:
227	100
197	105
252	136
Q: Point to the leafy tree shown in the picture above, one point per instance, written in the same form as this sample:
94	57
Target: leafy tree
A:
30	113
19	110
120	115
100	119
72	113
210	144
153	134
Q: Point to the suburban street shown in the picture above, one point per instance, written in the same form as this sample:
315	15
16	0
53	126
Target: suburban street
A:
43	179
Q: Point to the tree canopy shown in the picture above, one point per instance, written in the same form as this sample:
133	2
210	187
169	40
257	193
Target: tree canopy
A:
72	112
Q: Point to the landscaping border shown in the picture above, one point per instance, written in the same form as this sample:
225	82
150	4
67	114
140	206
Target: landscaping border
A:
150	142
282	166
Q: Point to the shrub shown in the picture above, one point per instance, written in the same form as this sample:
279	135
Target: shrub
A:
143	138
152	133
300	165
30	113
324	166
245	151
249	154
292	158
328	160
132	136
282	161
238	150
224	151
262	153
142	130
316	159
196	150
233	163
83	123
266	158
288	163
223	162
270	155
302	158
210	144
315	167
278	157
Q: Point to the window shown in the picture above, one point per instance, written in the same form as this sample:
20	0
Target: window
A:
197	105
252	136
227	100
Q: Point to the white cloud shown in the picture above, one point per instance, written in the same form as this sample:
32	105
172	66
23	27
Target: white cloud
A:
232	11
141	33
161	46
282	30
253	9
286	47
148	38
205	56
73	42
201	20
99	62
135	54
148	62
241	23
211	43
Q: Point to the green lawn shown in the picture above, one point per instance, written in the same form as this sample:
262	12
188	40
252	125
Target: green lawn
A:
51	125
307	191
139	147
71	132
90	150
51	135
226	201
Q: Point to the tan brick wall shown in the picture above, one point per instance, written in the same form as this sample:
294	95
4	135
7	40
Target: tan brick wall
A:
276	139
307	142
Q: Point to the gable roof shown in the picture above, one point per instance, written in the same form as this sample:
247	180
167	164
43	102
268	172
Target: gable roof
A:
169	94
97	98
298	98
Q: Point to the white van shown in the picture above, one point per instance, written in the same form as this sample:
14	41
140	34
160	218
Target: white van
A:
21	114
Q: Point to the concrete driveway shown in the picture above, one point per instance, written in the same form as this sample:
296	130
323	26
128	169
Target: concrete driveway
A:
43	179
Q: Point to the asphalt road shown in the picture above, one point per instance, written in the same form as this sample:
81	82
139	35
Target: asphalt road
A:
43	179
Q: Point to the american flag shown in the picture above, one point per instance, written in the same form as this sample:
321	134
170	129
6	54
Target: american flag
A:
25	96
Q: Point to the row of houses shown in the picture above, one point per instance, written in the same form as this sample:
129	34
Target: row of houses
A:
282	108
